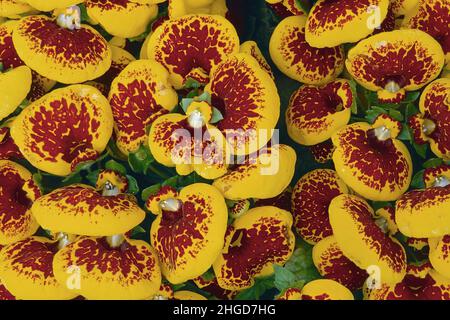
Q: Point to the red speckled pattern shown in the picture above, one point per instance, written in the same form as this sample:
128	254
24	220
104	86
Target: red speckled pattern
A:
127	264
8	149
417	200
287	8
435	103
134	106
390	252
15	217
322	152
191	42
332	14
31	258
213	287
5	294
10	59
237	92
310	107
313	64
282	201
59	141
64	47
83	200
311	198
181	236
333	265
264	243
408	62
376	165
106	5
432	16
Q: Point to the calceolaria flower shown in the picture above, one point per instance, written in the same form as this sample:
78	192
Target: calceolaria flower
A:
66	127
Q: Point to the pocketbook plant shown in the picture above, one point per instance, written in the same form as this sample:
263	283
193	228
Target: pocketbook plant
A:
225	149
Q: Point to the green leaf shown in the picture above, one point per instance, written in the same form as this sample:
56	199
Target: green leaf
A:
191	83
205	96
373	113
301	263
411	96
418	180
147	192
216	116
380	204
1	66
133	186
257	290
405	134
185	103
116	166
421	149
84	15
396	115
137	230
209	275
141	160
92	177
284	278
354	106
114	151
410	110
172	182
432	163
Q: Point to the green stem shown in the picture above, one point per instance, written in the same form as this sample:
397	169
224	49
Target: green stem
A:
158	172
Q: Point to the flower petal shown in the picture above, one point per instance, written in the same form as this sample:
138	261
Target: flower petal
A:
298	60
311	198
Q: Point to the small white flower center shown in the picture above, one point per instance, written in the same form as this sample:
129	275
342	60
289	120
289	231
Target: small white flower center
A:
392	87
382	133
70	19
196	119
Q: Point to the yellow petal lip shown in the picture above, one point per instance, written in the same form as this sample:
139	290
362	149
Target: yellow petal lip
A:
254	243
298	60
332	264
80	209
187	295
249	100
315	113
264	178
17	192
37	50
332	23
128	272
187	33
189	236
78	124
310	200
134	17
360	142
14	87
26	270
49	5
178	8
439	257
378	63
138	96
364	242
420	213
325	289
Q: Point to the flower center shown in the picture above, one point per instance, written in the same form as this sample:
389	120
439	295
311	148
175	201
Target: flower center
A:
116	240
441	182
382	224
199	114
428	126
110	190
392	86
171	210
70	18
382	133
